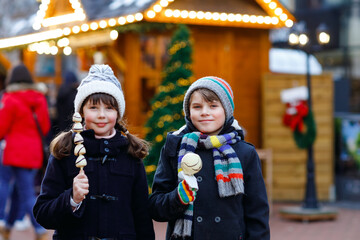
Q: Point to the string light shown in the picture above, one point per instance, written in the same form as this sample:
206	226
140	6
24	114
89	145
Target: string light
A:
139	16
103	24
63	42
84	27
158	8
274	20
272	5
283	17
184	14
192	14
278	11
94	26
112	22
208	15
54	50
114	35
253	19
215	16
231	17
151	14
267	20
289	23
30	38
66	31
130	18
122	20
67	51
176	13
200	15
40	20
76	29
223	16
164	3
246	18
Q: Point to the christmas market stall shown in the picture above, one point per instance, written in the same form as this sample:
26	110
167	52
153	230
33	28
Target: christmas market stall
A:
138	39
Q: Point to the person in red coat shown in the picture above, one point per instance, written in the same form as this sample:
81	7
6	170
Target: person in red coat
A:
23	144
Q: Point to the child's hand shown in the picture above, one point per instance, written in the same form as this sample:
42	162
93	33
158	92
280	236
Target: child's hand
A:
80	187
186	194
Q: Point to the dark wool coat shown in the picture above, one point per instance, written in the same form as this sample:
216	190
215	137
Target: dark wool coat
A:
244	216
65	102
116	206
17	126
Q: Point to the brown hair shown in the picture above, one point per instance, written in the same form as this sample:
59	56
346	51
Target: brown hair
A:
207	94
62	144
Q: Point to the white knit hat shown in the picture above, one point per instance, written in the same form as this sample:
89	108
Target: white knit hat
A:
100	79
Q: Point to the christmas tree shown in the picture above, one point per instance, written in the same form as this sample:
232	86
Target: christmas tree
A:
166	107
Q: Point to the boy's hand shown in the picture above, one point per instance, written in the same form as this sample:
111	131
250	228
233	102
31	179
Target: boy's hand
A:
186	194
80	187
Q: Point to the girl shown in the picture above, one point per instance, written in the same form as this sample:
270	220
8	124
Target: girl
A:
108	199
231	200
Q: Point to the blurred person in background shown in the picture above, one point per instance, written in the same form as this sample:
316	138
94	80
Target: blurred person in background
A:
65	101
20	103
11	206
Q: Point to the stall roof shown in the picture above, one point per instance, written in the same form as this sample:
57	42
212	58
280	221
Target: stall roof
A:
104	9
60	18
243	7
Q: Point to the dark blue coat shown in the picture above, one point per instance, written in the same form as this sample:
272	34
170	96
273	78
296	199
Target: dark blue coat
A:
116	206
244	216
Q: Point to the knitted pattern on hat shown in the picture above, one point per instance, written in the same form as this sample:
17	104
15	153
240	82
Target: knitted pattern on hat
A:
101	79
228	170
219	86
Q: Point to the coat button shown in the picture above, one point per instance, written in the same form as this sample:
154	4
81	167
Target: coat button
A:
106	150
217	219
199	219
106	142
199	179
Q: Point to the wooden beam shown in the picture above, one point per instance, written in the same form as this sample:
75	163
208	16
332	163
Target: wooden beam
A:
132	84
117	59
3	61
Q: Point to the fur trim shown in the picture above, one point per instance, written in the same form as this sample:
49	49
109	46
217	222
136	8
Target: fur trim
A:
41	87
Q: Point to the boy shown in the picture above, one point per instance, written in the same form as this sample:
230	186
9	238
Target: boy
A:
231	200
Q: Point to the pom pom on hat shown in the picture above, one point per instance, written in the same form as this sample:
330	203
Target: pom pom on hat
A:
101	79
219	86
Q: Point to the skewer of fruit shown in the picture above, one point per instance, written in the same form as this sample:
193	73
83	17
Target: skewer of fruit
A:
79	149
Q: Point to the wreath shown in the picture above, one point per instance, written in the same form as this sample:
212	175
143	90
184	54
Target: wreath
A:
306	138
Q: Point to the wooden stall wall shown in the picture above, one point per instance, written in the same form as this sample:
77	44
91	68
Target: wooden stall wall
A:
240	56
289	162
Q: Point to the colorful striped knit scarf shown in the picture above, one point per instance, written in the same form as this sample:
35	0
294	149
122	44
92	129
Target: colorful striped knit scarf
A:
228	169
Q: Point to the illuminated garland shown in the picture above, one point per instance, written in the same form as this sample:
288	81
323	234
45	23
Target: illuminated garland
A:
138	27
156	14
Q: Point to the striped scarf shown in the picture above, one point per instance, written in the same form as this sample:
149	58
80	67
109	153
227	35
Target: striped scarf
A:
228	169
